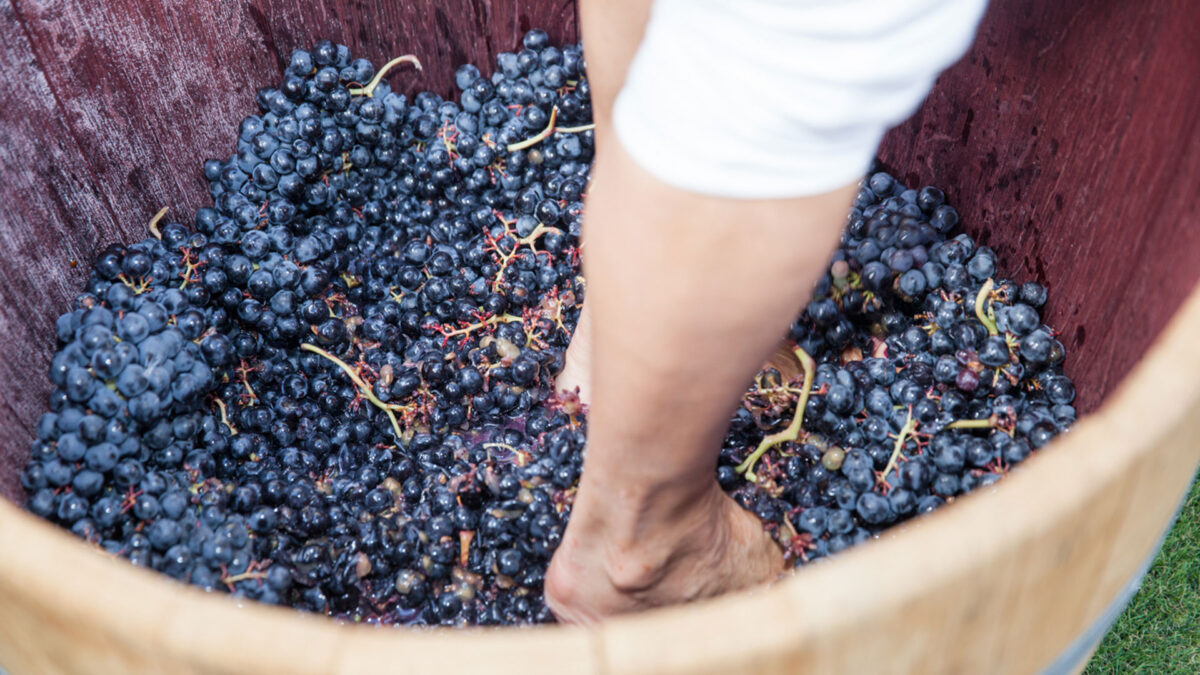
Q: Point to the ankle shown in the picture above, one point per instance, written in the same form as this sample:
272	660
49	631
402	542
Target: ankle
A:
640	536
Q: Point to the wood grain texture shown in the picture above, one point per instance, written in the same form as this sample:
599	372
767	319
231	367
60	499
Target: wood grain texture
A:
51	215
1069	138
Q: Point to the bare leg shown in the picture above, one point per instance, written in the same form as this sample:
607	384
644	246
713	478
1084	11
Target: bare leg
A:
612	31
688	296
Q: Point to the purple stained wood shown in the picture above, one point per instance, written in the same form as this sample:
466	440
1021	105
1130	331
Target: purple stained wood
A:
1068	138
150	90
51	217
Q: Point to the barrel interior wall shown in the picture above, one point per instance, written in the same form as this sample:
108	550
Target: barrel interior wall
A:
1069	139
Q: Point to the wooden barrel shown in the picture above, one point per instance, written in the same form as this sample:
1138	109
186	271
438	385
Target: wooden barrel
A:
1069	138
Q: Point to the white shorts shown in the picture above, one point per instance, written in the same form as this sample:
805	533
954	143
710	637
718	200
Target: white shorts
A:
777	98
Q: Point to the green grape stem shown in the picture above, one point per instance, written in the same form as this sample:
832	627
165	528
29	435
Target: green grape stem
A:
988	317
792	432
369	90
362	386
910	425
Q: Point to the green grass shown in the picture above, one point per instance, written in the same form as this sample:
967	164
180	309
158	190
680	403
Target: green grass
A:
1160	630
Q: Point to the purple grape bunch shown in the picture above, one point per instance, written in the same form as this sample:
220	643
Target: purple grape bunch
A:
334	390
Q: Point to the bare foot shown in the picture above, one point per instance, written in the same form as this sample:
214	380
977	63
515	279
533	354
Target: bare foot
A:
713	547
577	365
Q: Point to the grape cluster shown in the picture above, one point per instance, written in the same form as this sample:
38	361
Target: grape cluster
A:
335	391
924	376
332	392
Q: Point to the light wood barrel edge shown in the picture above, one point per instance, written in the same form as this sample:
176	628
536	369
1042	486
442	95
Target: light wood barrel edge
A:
999	582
